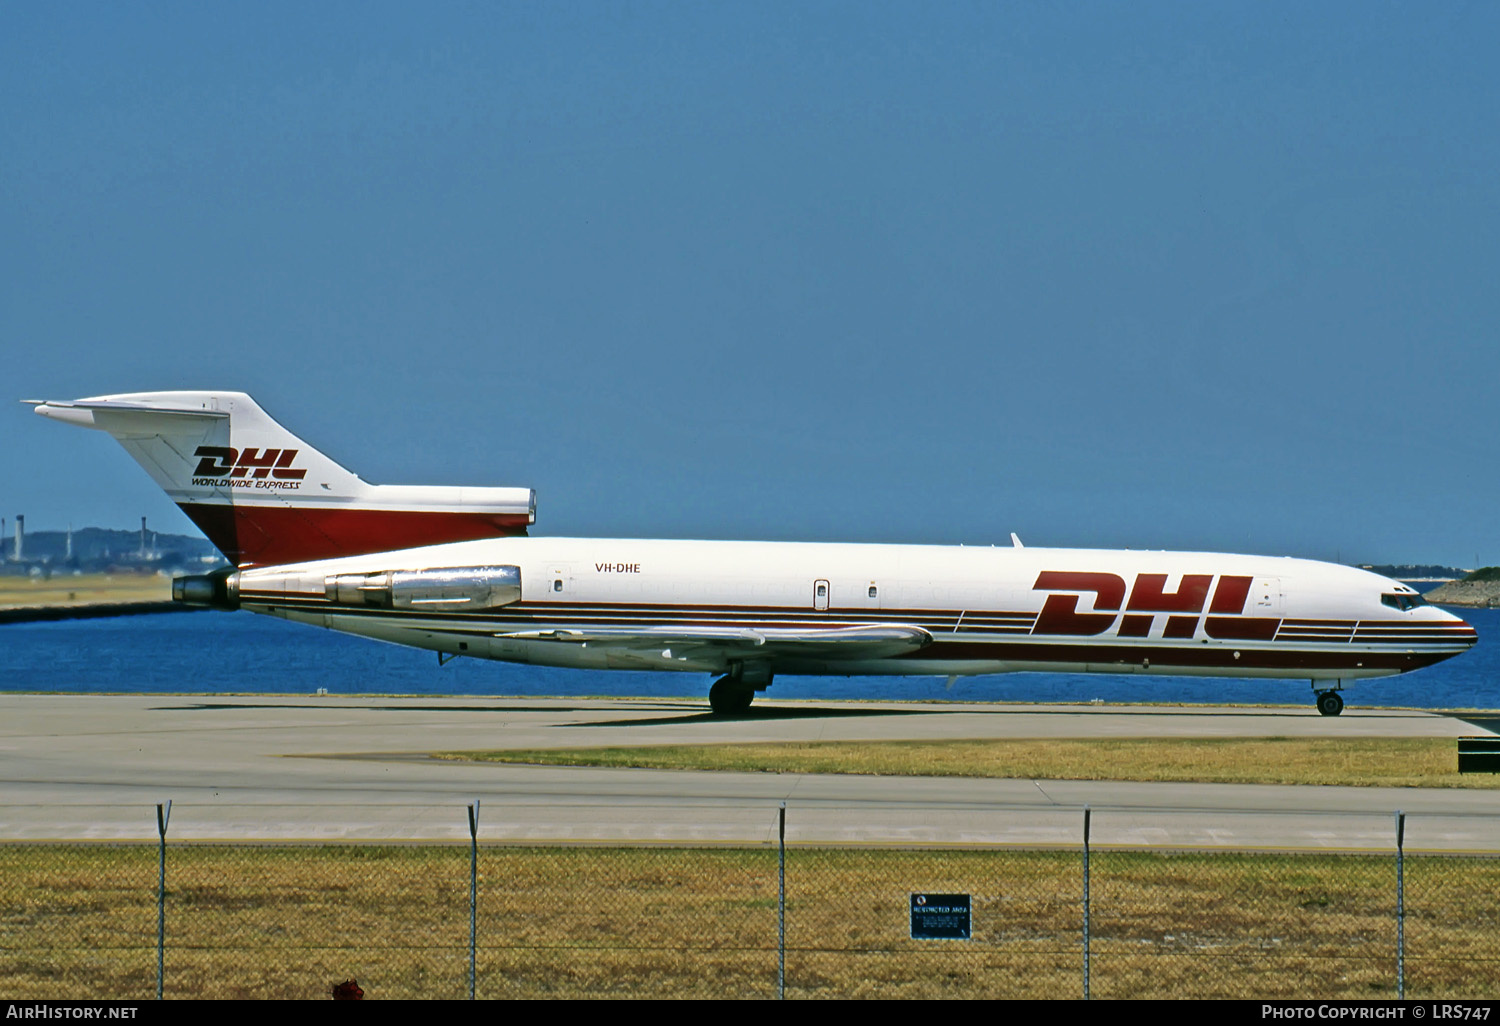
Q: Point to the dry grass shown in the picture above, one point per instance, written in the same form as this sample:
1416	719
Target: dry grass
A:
82	590
1366	762
288	922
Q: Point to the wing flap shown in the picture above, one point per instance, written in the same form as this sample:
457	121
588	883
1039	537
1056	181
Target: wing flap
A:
865	641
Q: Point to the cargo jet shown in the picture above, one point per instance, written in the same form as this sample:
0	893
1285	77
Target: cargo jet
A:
454	571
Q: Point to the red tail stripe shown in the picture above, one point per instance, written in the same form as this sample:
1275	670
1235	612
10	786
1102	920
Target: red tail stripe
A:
267	535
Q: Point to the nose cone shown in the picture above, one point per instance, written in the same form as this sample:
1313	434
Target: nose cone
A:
1462	630
1451	635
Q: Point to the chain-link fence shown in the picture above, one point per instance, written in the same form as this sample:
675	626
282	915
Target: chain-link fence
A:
279	920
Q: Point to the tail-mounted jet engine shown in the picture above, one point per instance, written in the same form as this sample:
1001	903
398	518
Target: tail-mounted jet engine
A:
444	589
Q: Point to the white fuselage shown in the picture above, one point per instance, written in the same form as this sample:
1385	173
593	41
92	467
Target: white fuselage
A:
633	604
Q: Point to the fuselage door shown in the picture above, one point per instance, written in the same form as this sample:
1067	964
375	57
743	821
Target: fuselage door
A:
1265	597
820	594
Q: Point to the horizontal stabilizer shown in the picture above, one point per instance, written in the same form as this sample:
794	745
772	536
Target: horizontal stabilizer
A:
133	422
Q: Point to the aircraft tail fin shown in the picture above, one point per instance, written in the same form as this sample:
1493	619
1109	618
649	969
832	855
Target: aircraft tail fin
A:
263	496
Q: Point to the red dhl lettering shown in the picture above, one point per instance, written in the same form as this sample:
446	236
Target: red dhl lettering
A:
1148	597
218	461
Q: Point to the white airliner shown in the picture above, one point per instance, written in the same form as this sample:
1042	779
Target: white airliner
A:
452	570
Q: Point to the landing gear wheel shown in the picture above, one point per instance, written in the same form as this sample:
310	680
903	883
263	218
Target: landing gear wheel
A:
1329	703
729	697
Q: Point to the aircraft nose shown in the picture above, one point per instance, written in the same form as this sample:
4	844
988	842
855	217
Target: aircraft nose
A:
1460	630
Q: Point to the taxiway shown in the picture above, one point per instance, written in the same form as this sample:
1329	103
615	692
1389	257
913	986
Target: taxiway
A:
263	768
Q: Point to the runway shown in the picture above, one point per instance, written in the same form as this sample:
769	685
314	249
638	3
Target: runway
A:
276	768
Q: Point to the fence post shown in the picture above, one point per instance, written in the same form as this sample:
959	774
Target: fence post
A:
473	888
1086	966
781	906
1400	905
163	815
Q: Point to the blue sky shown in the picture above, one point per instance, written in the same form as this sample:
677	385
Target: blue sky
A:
1158	275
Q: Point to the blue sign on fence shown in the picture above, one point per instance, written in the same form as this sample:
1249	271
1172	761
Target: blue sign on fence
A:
940	917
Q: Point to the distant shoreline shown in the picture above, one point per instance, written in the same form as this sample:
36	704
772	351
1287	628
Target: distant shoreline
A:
1469	594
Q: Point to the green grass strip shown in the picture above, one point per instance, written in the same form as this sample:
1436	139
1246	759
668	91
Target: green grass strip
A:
1357	762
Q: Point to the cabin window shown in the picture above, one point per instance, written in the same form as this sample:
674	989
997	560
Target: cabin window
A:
1402	602
822	590
872	591
557	585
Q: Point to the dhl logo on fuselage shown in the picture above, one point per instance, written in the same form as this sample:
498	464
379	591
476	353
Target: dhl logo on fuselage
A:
1148	599
220	466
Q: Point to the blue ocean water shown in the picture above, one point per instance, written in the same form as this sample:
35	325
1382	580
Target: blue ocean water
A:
216	652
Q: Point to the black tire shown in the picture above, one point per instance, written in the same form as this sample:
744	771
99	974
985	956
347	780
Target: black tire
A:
1330	703
727	698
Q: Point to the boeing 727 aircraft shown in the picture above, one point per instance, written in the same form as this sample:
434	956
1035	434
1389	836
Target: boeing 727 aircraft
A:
453	570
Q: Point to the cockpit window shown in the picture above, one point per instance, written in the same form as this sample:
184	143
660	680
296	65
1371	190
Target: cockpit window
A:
1402	602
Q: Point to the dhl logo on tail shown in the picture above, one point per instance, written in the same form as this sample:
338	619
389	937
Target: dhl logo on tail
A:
218	462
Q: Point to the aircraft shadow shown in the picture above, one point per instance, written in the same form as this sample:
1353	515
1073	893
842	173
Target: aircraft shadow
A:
689	711
229	706
772	713
768	714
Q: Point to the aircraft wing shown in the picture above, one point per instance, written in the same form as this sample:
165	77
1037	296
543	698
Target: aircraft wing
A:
867	641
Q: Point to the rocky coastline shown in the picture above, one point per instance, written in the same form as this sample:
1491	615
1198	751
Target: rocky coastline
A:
1474	594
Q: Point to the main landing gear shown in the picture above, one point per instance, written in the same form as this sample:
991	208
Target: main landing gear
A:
729	698
732	693
1330	703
